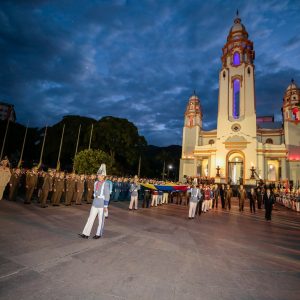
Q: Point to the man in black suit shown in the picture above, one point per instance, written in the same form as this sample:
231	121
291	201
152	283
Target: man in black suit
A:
269	200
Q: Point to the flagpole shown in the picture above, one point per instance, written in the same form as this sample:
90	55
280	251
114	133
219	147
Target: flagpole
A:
60	146
139	168
163	175
78	136
4	140
43	145
91	136
23	146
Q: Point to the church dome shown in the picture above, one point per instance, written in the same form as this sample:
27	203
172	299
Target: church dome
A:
194	105
238	26
237	31
292	86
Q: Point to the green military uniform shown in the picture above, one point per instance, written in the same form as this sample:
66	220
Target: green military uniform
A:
58	189
14	184
46	188
31	183
228	196
90	190
70	190
79	191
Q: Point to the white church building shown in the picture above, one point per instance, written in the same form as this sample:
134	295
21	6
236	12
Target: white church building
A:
244	147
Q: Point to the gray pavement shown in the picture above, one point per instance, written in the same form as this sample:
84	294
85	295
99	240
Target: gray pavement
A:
152	253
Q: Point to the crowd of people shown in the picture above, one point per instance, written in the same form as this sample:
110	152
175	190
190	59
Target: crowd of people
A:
59	188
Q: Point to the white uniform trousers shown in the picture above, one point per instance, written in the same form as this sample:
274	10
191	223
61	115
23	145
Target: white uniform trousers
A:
192	209
133	201
298	206
205	205
165	198
154	200
159	199
210	204
89	224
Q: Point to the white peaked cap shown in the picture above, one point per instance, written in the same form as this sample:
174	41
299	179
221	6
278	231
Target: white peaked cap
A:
102	170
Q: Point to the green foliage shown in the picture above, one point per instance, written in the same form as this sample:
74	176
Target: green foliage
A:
89	161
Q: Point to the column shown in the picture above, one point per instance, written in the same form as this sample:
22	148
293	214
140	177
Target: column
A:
213	165
209	167
283	169
260	168
195	167
266	168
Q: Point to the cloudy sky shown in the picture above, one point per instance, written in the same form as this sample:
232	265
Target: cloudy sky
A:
138	59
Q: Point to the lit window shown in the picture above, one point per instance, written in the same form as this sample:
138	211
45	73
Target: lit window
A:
236	98
236	59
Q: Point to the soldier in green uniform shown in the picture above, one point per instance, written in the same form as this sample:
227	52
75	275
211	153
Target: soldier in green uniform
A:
70	189
14	184
79	189
46	188
228	196
90	188
31	184
58	188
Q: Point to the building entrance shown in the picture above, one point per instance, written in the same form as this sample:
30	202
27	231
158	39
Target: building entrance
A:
235	169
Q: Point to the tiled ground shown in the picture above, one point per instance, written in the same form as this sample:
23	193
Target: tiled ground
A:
152	253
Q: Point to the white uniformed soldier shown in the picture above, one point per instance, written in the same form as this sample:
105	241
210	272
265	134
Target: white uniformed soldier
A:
134	188
99	205
195	195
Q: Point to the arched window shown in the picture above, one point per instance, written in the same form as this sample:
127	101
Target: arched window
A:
236	99
269	141
211	142
236	59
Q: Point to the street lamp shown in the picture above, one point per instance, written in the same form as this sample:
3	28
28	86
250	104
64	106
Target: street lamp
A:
170	167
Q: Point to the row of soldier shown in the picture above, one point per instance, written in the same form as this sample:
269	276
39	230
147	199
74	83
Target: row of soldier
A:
68	188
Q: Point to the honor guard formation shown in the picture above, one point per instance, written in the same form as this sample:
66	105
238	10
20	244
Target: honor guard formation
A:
200	194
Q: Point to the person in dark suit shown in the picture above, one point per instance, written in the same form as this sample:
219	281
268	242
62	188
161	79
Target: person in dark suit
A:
269	200
201	197
222	195
252	198
216	196
259	197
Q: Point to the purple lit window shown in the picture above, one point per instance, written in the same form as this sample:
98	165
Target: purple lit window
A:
236	59
236	98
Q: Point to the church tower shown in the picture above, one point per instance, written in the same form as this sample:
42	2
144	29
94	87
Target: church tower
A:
291	124
190	137
236	132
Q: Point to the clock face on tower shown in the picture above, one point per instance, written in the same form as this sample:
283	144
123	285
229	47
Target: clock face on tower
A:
236	127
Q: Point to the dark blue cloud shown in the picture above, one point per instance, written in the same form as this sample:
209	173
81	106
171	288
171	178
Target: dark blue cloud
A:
138	59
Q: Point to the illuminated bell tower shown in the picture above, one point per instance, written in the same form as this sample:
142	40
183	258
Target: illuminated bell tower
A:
236	125
291	119
190	136
192	126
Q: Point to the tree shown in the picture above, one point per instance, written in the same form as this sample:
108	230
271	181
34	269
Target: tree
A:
88	161
121	140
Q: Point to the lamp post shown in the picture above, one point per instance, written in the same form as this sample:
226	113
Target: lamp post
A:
218	171
252	172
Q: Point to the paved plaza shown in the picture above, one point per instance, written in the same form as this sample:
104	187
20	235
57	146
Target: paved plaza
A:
152	253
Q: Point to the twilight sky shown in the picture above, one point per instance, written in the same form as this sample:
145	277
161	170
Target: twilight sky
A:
138	59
